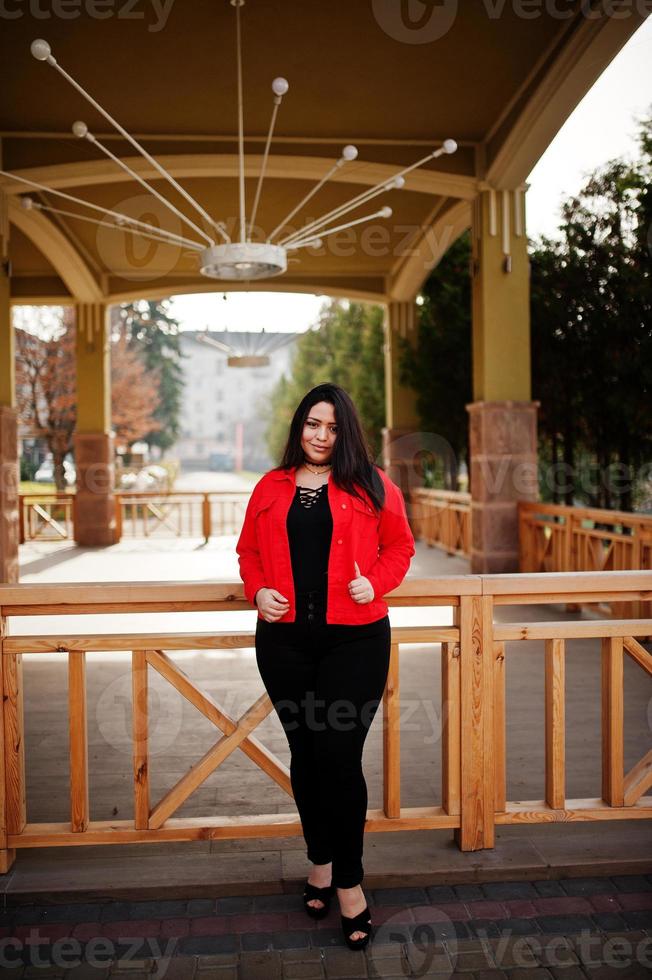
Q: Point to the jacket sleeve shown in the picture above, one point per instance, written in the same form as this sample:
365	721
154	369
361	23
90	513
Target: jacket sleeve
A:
249	560
395	542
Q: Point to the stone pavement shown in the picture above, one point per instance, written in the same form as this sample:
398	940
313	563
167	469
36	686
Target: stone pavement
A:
573	928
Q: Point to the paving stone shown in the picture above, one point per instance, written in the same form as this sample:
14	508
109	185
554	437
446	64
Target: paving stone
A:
563	924
291	939
440	893
344	963
557	951
214	973
490	975
548	889
303	971
78	912
199	945
588	886
425	959
201	906
218	960
468	893
450	929
307	955
85	971
534	973
632	883
232	904
399	896
277	903
178	968
513	951
637	919
25	914
326	938
503	890
467	961
157	910
485	928
260	966
569	973
257	941
114	911
608	921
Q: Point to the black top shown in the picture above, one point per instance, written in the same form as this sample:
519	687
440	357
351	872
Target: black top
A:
310	528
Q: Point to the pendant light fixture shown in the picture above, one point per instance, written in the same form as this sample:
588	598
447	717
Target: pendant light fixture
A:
220	257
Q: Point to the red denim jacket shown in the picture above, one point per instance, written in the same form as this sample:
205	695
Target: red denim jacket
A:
381	543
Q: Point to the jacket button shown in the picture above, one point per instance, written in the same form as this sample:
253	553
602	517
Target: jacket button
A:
339	541
343	506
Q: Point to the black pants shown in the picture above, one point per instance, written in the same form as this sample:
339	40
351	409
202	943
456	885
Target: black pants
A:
326	681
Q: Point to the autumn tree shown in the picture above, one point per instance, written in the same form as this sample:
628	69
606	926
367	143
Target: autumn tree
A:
46	387
134	394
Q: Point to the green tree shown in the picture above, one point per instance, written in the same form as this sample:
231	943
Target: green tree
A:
153	332
592	335
438	366
345	346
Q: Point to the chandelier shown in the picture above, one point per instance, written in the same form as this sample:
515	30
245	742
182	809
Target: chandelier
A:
219	256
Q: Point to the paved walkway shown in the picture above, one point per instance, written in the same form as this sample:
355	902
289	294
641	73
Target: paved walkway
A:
576	928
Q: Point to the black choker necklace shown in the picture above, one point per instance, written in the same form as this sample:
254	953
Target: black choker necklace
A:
318	472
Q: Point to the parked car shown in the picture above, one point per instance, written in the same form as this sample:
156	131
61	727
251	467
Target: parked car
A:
221	461
45	472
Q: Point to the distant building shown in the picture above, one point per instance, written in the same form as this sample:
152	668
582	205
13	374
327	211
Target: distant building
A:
223	409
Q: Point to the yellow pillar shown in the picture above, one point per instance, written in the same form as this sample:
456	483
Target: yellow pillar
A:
9	473
400	435
95	522
503	427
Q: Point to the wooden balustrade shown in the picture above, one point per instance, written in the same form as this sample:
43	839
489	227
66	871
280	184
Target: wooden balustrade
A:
554	538
46	516
139	514
442	518
473	666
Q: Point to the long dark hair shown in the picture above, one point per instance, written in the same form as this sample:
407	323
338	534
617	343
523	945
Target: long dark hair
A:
353	464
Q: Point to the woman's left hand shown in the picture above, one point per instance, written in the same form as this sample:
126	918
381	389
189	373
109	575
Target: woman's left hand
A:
360	588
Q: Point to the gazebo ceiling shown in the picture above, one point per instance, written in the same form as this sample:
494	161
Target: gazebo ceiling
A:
499	85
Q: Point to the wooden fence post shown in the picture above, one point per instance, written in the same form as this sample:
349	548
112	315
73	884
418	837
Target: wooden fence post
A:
477	796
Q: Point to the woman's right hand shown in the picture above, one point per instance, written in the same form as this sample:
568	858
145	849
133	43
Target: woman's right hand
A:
272	604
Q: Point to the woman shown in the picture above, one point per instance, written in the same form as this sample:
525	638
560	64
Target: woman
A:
325	536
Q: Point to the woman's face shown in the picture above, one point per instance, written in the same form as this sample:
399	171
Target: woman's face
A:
319	433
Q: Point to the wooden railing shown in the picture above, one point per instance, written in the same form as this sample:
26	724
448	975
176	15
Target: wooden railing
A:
46	516
442	518
51	516
183	514
473	664
553	538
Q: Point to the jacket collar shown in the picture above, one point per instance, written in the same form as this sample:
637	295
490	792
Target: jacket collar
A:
283	474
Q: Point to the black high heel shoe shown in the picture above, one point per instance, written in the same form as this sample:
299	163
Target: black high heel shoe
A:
358	923
324	895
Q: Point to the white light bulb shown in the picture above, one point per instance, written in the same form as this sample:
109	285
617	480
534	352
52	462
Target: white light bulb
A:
280	86
316	243
80	129
450	146
27	203
398	182
385	212
350	152
40	49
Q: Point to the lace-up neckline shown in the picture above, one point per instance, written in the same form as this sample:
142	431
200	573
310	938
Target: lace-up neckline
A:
310	495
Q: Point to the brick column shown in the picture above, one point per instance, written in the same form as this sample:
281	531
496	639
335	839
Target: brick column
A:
503	451
95	522
502	417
